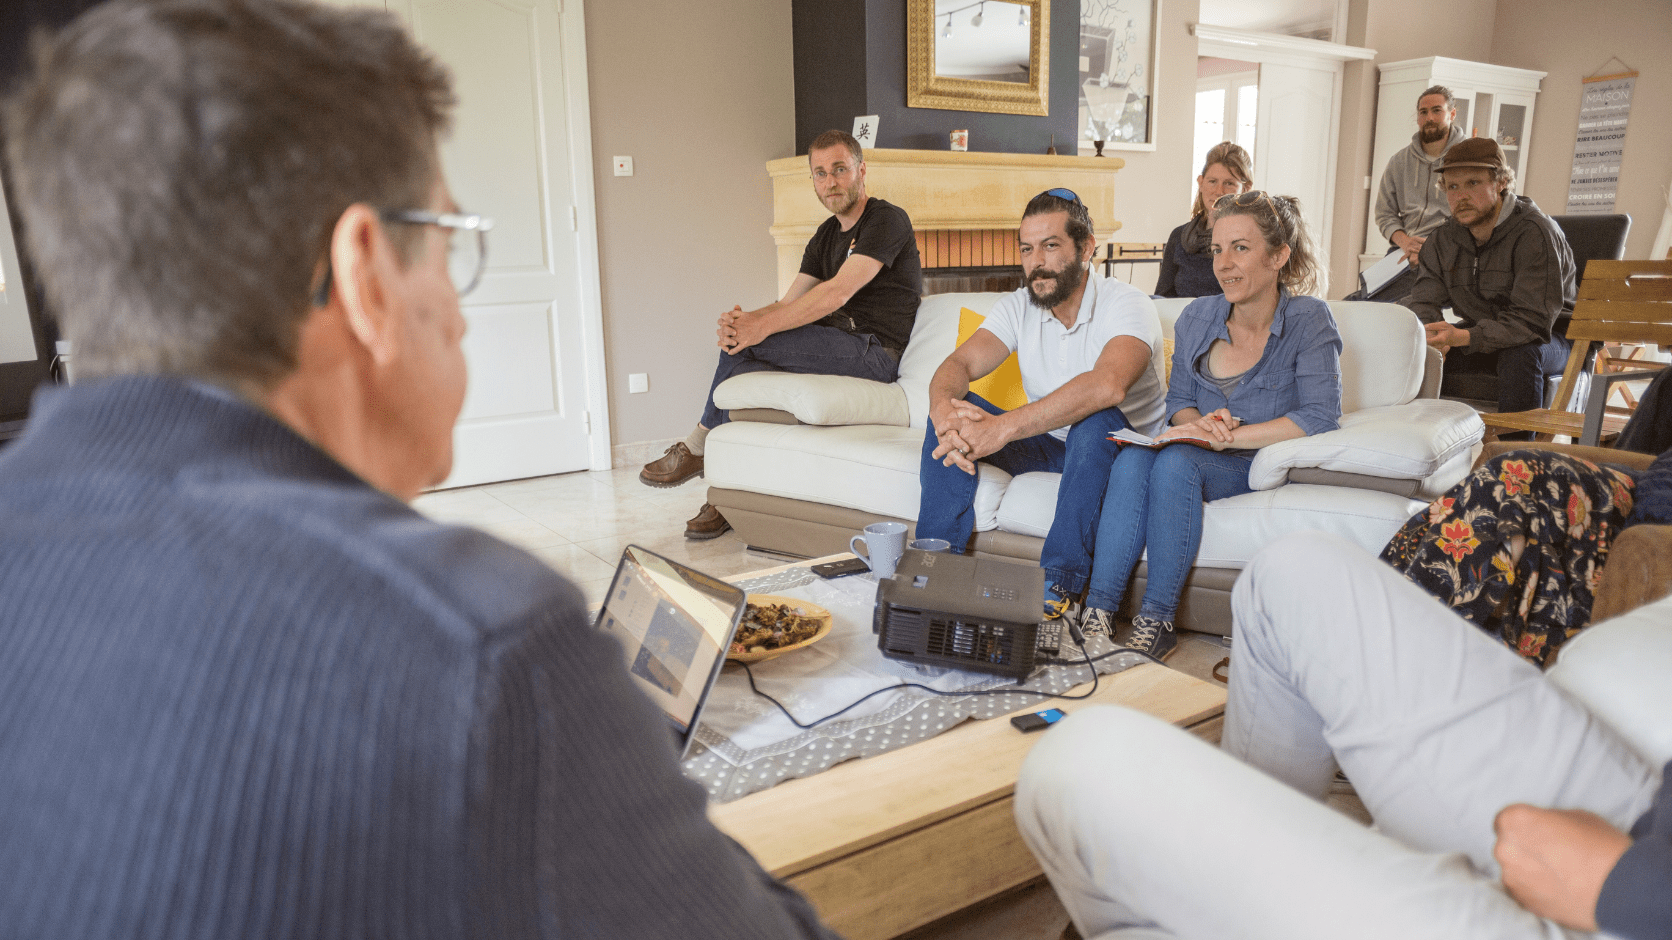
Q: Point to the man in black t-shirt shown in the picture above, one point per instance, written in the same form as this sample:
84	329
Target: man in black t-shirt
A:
849	312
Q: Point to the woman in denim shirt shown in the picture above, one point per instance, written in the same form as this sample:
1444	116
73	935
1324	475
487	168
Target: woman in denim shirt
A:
1254	366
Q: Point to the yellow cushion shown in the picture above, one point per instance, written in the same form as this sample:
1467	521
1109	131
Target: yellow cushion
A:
1002	386
1167	353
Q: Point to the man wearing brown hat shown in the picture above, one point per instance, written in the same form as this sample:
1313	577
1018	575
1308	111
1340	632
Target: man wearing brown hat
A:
1506	272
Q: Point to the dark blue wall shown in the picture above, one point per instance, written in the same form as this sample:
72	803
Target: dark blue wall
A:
850	59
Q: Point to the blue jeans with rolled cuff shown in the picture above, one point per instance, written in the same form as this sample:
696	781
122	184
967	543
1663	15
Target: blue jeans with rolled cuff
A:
809	350
946	509
1155	500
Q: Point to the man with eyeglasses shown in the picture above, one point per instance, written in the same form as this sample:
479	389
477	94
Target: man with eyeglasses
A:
848	312
245	690
1507	273
1408	205
1090	355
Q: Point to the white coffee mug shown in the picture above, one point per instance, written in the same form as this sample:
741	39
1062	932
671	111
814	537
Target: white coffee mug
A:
883	541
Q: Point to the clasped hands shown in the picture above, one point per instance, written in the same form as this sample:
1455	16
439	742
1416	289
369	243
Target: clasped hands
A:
740	329
1443	336
1215	427
966	434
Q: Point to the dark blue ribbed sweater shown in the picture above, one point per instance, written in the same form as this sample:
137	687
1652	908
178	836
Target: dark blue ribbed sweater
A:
243	694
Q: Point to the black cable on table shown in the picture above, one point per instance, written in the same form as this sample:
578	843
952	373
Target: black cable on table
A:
1087	661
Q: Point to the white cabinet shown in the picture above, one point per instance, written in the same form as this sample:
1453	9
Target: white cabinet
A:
1492	101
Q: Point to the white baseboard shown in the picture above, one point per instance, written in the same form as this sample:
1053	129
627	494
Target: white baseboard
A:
640	453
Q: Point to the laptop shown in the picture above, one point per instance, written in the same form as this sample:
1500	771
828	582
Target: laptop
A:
675	625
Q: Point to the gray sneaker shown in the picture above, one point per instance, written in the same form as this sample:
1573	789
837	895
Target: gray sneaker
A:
1098	622
1152	636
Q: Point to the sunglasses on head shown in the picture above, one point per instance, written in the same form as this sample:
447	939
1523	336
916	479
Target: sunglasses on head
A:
1061	193
1244	200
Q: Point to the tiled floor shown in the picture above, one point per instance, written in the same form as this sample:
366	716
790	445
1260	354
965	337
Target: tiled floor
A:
579	522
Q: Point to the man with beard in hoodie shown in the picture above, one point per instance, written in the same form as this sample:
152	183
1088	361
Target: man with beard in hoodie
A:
1505	270
1409	207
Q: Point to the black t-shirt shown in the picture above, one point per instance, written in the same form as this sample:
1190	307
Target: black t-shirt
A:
887	306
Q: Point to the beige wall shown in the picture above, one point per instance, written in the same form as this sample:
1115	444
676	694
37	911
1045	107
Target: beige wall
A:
1545	35
701	97
1152	194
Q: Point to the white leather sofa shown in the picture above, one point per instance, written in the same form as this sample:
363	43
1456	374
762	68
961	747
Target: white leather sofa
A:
809	460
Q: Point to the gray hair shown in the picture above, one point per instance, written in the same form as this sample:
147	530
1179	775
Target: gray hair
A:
180	166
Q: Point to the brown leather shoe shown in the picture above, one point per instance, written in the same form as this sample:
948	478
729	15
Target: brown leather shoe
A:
672	468
707	524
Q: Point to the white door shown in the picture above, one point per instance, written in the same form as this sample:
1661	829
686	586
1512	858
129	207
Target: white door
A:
1295	141
520	152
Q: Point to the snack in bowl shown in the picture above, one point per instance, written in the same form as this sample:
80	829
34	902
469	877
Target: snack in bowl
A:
774	625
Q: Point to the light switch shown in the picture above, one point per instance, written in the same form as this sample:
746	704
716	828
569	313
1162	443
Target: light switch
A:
638	382
623	166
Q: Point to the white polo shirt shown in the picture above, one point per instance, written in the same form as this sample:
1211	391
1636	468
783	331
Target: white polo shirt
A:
1050	355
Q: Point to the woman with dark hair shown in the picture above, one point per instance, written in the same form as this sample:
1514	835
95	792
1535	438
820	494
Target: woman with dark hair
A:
1187	263
1257	364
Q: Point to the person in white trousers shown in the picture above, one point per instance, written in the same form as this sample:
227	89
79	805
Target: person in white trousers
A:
1146	831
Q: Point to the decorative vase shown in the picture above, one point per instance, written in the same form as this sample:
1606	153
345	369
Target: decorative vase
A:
1099	145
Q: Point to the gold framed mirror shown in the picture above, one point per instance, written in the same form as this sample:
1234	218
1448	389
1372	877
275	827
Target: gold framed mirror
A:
979	55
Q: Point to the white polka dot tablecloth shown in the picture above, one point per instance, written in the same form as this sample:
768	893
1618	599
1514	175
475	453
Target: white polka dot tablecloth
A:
744	743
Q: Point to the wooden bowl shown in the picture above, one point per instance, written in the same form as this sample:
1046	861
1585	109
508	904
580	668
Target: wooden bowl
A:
804	608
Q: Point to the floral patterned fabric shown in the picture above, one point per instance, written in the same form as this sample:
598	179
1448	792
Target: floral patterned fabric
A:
1460	549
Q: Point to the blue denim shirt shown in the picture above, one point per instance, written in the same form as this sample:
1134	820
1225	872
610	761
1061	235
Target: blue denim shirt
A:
1298	376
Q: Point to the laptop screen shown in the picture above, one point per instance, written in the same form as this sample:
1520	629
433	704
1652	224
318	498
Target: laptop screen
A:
675	625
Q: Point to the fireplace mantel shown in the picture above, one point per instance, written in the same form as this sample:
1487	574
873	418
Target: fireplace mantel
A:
942	191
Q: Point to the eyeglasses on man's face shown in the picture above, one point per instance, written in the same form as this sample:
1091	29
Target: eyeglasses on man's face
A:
467	251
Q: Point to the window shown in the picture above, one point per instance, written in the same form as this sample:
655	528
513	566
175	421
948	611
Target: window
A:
1227	106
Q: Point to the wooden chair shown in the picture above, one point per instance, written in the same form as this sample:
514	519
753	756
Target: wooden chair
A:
1619	302
1131	253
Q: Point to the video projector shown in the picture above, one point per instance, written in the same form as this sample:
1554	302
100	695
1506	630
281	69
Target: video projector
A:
960	612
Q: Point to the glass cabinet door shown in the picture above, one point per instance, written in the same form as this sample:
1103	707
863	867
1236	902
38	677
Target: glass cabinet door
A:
1510	131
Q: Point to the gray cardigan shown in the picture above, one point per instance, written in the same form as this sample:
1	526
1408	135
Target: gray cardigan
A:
243	694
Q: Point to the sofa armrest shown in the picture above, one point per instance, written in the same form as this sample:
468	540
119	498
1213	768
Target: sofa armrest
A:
1617	667
1622	458
1412	441
817	399
1639	571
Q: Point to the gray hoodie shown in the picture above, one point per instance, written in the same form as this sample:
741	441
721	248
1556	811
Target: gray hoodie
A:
1408	201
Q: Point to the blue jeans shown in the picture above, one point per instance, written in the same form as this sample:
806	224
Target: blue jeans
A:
1521	372
1155	499
947	507
811	350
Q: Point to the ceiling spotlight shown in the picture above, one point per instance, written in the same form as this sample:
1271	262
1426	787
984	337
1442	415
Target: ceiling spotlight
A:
976	19
948	30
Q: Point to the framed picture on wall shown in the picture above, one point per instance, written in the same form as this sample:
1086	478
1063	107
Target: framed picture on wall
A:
1119	49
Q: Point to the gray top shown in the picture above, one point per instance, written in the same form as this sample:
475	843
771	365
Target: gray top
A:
1407	199
1226	385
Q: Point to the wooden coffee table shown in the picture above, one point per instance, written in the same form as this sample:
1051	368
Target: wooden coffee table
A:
885	844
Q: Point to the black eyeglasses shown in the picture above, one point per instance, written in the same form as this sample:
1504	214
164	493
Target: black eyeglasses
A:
1061	193
467	257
